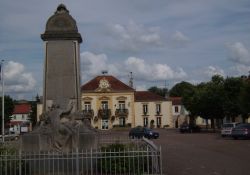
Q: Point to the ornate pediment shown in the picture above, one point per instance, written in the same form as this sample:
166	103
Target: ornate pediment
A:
104	98
104	85
87	98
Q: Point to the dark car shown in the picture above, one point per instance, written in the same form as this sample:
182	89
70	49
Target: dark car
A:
241	131
139	132
189	128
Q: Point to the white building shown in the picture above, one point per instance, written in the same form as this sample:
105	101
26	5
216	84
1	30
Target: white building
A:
20	118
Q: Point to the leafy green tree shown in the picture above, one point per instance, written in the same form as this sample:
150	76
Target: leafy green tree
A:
232	89
244	97
181	89
8	109
159	91
186	91
213	100
33	114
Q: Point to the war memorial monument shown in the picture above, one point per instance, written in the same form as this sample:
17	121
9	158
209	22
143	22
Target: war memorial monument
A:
62	125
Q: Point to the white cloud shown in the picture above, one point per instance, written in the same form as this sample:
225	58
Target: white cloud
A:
152	72
94	64
16	79
214	70
239	53
134	37
178	39
240	69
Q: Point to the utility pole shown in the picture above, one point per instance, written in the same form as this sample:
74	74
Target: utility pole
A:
2	78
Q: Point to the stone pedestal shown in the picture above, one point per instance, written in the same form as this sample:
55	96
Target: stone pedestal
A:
86	139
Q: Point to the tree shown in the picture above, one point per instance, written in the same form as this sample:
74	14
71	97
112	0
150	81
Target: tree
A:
186	91
159	91
206	99
244	101
232	88
8	108
33	114
213	100
181	89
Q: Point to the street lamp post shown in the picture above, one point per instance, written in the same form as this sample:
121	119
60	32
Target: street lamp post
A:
2	79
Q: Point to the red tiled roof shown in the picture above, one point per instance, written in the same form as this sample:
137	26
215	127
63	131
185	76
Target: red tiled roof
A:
115	84
22	109
148	96
176	100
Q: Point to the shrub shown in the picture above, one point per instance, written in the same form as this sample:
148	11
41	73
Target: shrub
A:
11	164
116	158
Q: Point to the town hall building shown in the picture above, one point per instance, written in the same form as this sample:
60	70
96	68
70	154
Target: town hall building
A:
109	103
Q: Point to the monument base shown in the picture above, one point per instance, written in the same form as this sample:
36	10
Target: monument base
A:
60	131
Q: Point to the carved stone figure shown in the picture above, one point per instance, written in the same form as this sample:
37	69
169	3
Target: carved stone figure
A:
60	127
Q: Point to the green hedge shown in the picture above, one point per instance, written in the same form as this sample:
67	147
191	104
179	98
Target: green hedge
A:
120	158
9	161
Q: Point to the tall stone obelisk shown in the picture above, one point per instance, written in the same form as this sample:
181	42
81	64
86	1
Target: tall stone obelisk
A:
62	61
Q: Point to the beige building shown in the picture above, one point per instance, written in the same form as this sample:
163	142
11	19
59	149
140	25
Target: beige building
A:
179	112
152	110
108	102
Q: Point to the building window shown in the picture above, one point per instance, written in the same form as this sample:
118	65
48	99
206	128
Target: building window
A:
87	106
158	109
158	122
23	116
105	105
145	122
121	105
176	109
145	109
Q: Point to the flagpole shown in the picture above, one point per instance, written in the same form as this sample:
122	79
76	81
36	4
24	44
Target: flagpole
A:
2	78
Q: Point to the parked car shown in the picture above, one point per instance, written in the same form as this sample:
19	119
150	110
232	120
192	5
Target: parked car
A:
139	132
241	131
189	128
226	129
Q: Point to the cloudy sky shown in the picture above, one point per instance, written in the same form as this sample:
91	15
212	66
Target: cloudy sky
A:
158	40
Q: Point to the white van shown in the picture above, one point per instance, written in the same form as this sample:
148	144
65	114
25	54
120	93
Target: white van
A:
226	129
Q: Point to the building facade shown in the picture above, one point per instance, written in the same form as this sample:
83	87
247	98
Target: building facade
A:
20	121
179	112
152	110
109	103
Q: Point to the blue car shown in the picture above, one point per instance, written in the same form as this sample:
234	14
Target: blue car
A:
139	132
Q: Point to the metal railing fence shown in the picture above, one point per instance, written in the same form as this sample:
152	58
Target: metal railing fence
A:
94	162
138	156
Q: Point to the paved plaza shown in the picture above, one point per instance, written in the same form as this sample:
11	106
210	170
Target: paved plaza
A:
203	154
